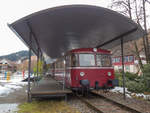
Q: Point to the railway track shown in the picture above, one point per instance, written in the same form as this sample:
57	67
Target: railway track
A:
101	104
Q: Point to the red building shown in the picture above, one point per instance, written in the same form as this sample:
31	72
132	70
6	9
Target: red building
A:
129	62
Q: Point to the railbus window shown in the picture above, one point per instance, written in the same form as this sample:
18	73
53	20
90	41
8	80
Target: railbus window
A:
62	64
87	59
74	60
99	60
68	63
103	60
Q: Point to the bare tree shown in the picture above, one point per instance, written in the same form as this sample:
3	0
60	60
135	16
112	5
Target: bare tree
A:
147	1
134	9
138	15
146	36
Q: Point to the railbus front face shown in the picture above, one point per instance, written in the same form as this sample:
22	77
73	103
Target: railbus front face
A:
89	67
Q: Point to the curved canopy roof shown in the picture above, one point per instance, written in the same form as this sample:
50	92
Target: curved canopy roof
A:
57	30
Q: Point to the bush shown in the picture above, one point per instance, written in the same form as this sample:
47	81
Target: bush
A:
131	76
146	70
146	76
119	77
128	77
135	87
135	83
140	84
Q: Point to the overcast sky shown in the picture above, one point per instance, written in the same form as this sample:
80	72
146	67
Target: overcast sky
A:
12	10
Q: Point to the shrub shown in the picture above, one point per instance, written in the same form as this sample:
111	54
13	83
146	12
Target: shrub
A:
128	77
146	70
131	76
135	83
137	87
146	76
119	77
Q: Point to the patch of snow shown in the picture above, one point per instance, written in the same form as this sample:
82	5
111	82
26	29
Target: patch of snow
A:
12	85
130	94
119	89
5	91
19	83
8	108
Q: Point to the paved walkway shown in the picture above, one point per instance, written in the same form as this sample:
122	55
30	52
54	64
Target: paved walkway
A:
48	87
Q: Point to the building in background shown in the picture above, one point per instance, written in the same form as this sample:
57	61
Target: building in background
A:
130	63
7	65
22	64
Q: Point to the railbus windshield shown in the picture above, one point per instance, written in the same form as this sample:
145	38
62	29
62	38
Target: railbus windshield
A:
87	59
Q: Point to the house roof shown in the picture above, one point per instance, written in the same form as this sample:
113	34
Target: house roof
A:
129	48
60	29
10	63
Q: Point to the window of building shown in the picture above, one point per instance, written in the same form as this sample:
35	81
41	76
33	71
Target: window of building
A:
131	58
126	59
113	60
117	59
127	68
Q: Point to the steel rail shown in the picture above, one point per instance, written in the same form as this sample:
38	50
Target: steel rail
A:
116	103
89	104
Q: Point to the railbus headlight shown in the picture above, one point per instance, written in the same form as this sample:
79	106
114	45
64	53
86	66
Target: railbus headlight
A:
109	73
82	74
95	49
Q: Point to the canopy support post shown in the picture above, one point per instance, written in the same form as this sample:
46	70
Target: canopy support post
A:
123	74
29	68
37	70
41	65
64	85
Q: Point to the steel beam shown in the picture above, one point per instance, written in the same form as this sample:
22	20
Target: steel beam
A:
34	36
123	74
118	37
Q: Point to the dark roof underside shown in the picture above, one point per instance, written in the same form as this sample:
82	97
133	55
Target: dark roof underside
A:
63	28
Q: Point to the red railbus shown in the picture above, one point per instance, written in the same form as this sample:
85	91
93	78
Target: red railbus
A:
85	67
